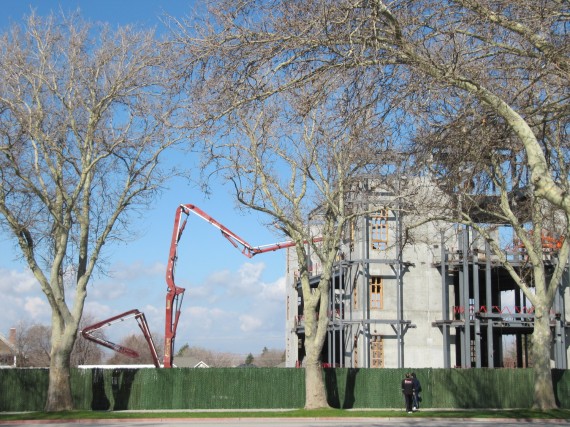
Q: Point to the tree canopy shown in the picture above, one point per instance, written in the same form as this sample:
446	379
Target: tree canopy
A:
85	117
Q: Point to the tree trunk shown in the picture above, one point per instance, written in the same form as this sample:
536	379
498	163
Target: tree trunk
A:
59	390
541	346
315	391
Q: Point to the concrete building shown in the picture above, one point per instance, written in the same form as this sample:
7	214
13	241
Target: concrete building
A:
430	296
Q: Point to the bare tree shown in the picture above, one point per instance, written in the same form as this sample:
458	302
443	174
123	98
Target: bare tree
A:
291	145
484	177
224	359
510	57
270	357
32	345
137	343
213	359
496	73
294	157
84	115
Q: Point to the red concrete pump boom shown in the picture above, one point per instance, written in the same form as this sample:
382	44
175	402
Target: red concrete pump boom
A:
175	294
87	333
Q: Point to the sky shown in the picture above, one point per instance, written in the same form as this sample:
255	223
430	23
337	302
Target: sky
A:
231	304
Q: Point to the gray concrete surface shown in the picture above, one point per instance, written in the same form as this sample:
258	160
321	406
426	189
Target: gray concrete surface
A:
295	422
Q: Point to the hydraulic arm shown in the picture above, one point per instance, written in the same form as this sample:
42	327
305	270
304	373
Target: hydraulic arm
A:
88	333
175	294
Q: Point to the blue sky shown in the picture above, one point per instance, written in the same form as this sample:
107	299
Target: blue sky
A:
231	303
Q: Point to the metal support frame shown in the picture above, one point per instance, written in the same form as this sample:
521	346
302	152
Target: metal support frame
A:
89	334
466	360
476	320
348	325
445	305
492	322
489	305
400	283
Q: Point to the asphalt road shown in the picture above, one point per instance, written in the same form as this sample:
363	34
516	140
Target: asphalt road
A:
295	422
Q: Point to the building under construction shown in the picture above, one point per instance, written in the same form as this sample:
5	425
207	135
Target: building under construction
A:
438	298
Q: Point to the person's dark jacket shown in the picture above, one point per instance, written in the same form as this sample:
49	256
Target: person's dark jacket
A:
416	385
407	386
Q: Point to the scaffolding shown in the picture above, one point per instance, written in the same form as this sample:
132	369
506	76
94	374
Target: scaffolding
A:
352	272
479	317
475	324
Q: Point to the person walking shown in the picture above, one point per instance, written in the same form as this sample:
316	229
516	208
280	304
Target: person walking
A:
408	391
417	389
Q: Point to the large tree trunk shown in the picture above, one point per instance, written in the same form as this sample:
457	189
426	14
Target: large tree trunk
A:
541	346
62	341
315	391
59	390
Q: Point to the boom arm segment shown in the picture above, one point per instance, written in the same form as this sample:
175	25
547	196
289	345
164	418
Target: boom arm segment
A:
175	294
246	249
143	325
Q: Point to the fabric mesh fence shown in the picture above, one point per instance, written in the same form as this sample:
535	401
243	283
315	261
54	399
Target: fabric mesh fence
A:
23	389
275	388
187	388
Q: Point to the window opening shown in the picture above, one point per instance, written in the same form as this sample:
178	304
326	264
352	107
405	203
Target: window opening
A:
377	351
376	293
379	230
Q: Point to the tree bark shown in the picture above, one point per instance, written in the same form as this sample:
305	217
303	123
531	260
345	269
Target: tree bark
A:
315	391
59	390
541	345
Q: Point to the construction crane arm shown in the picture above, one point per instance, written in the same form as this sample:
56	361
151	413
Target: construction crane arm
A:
88	332
174	293
245	248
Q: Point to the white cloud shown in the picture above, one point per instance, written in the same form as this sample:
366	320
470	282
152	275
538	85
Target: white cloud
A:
274	292
243	283
17	281
249	323
196	292
37	308
220	277
136	270
236	307
11	312
97	310
207	317
106	291
250	274
152	310
231	310
22	299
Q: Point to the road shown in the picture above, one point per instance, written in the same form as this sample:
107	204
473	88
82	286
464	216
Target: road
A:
294	422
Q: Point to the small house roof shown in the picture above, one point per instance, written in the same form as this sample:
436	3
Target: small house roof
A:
188	362
6	347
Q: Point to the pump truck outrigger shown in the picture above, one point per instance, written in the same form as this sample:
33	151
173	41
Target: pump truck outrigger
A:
174	294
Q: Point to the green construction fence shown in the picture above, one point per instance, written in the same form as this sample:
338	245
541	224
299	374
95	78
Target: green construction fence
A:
275	388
